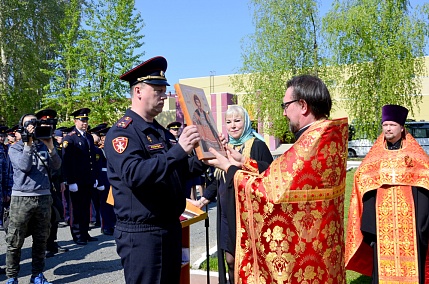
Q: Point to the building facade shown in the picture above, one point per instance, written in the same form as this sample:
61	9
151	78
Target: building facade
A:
221	94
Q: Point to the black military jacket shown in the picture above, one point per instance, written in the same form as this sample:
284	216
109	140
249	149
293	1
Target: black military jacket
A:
79	158
147	173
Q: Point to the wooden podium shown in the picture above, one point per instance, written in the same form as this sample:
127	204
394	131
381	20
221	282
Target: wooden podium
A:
191	215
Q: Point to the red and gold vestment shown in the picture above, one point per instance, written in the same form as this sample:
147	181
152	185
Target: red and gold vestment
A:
392	173
290	218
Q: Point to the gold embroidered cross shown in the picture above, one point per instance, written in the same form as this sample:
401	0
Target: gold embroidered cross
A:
393	175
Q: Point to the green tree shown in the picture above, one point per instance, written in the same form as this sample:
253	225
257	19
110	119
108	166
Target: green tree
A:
92	56
377	49
27	30
63	88
110	44
285	43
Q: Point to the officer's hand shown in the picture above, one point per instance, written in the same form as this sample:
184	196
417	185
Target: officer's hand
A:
196	203
73	187
223	139
101	187
189	138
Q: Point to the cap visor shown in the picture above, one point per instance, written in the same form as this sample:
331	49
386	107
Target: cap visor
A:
157	82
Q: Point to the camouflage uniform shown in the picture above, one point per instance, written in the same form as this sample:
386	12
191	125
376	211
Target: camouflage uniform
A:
28	215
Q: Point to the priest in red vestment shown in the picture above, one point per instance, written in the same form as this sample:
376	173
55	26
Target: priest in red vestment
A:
388	225
290	217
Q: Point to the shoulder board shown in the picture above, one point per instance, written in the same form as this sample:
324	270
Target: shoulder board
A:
124	122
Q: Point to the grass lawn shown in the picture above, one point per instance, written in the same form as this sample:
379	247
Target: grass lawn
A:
352	277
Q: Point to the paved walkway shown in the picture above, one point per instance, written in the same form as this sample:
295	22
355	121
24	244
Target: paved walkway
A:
200	277
98	262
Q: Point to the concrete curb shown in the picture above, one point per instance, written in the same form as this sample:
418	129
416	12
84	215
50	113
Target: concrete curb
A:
203	257
203	272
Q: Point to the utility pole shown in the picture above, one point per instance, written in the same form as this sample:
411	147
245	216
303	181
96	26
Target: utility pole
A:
212	74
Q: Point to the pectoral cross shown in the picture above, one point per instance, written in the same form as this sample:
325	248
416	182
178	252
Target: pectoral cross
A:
393	175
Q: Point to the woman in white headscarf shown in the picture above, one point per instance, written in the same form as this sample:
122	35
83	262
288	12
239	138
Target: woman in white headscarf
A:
248	142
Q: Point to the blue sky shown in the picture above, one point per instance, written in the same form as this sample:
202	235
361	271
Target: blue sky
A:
199	37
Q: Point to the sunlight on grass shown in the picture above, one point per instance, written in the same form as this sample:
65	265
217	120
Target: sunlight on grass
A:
352	277
213	264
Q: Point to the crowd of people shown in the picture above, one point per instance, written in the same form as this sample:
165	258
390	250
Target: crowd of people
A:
279	221
51	177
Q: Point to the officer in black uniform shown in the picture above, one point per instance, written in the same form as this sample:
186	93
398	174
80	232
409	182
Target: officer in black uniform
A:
79	174
148	176
12	137
108	218
95	216
4	173
174	128
59	135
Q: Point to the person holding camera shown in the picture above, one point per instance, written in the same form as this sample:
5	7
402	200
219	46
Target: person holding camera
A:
30	208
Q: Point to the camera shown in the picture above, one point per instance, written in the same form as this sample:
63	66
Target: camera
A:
43	128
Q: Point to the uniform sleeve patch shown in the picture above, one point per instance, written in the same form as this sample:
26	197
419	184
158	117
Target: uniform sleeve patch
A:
65	144
120	144
124	122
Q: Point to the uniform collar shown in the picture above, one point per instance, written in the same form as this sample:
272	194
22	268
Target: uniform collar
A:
142	125
80	132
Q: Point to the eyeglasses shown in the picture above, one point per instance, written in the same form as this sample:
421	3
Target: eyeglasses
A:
286	104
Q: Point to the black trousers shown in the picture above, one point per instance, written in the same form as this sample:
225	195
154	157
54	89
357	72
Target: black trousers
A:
108	217
95	198
80	203
56	202
151	257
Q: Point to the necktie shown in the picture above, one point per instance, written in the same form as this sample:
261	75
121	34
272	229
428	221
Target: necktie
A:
86	138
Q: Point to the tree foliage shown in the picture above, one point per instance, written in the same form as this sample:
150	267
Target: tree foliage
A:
377	48
28	33
65	75
93	56
110	44
66	55
285	43
367	51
